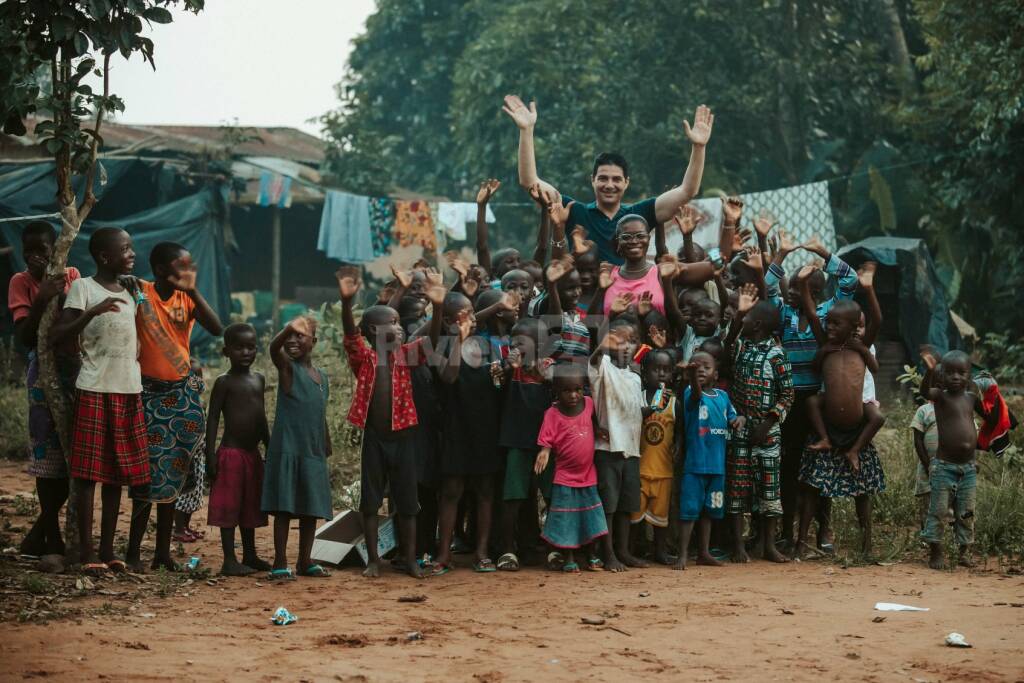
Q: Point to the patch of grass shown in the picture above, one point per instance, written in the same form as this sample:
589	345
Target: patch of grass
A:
37	584
14	444
27	505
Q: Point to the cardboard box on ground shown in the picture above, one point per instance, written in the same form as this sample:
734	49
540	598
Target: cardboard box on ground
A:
335	540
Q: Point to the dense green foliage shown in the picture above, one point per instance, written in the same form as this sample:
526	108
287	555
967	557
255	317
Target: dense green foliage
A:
802	90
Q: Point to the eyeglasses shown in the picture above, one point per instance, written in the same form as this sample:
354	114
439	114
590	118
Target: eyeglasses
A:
627	237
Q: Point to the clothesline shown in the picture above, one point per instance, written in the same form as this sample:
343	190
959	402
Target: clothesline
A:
30	218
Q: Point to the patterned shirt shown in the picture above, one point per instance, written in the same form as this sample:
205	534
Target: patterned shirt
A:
800	345
762	381
363	361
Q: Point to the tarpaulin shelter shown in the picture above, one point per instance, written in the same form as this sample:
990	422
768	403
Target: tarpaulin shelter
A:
913	298
144	198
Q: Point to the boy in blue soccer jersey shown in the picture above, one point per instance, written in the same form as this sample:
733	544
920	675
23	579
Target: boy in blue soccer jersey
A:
708	417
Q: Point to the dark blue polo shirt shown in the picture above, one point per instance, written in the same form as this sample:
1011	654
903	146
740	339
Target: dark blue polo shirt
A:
600	228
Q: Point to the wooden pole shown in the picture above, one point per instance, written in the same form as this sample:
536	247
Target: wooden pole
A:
275	266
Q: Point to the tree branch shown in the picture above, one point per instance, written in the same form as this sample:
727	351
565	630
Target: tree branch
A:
90	198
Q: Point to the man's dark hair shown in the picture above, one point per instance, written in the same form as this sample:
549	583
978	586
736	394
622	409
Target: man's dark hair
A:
611	159
40	229
164	254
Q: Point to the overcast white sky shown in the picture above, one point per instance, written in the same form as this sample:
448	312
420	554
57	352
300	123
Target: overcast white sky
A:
264	62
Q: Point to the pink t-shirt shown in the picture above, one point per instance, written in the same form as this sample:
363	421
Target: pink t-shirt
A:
22	290
572	441
648	283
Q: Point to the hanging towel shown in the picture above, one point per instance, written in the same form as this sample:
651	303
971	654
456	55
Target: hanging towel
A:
453	217
706	234
345	228
803	211
382	221
275	190
997	437
414	224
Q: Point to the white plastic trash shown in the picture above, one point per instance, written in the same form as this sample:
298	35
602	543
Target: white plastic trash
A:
957	640
896	607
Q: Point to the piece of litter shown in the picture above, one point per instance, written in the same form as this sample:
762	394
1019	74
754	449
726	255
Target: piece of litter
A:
645	594
412	598
787	611
283	617
878	620
553	661
592	621
147	615
957	640
413	635
896	607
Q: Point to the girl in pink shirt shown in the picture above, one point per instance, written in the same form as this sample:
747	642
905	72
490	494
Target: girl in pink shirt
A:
575	516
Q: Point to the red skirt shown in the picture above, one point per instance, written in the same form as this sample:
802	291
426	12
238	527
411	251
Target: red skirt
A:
108	441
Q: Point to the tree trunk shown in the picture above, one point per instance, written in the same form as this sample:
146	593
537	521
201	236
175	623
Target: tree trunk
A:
896	46
49	377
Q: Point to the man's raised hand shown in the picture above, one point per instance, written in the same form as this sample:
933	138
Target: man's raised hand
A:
523	116
700	133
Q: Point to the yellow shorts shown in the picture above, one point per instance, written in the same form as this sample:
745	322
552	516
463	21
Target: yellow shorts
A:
655	497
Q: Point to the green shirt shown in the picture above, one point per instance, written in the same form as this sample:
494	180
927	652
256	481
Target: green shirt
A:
600	228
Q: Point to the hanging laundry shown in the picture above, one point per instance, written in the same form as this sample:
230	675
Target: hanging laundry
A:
345	228
803	211
414	224
382	221
275	190
453	217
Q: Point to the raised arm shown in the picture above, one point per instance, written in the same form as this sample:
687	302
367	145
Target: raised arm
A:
807	303
540	250
525	119
747	299
435	293
349	280
686	219
555	271
667	203
763	225
280	359
776	273
183	278
732	210
483	196
873	314
667	269
835	266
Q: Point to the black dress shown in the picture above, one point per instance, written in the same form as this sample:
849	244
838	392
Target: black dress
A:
470	422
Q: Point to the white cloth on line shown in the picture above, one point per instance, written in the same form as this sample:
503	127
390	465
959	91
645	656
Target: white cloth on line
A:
453	217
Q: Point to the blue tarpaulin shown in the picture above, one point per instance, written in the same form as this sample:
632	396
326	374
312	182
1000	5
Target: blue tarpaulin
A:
139	197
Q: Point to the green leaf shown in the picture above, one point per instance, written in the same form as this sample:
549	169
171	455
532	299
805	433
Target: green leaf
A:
158	15
81	43
53	146
62	28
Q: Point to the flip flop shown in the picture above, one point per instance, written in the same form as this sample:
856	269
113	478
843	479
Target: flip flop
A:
555	560
184	537
570	568
484	566
95	568
439	569
316	571
117	566
508	562
280	575
595	564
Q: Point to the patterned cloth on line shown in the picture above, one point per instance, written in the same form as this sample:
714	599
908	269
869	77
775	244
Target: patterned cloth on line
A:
175	428
108	440
414	224
48	460
382	221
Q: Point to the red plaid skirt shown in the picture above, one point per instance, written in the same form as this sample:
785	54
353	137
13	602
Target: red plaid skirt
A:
108	442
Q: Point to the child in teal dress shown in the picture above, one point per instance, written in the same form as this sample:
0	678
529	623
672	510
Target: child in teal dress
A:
296	482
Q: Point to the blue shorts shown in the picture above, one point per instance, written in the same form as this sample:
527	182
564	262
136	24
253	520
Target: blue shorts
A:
702	493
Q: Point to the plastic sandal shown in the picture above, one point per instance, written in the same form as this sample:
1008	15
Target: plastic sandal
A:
95	569
555	560
571	568
484	566
315	571
117	566
281	575
508	562
595	564
439	569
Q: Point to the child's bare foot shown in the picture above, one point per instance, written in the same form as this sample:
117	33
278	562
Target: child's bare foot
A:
773	555
802	551
256	563
414	570
935	558
965	559
372	570
236	568
854	460
707	560
680	564
612	564
739	555
632	561
821	445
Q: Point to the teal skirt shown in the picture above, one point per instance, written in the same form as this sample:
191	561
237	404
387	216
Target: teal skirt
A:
297	485
575	517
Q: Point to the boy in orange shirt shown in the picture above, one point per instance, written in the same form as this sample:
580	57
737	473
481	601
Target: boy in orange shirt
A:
167	309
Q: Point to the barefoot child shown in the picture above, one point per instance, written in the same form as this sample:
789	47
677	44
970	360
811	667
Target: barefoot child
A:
618	402
660	447
383	406
844	463
108	440
763	393
952	473
296	483
172	395
28	295
708	415
575	516
235	469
